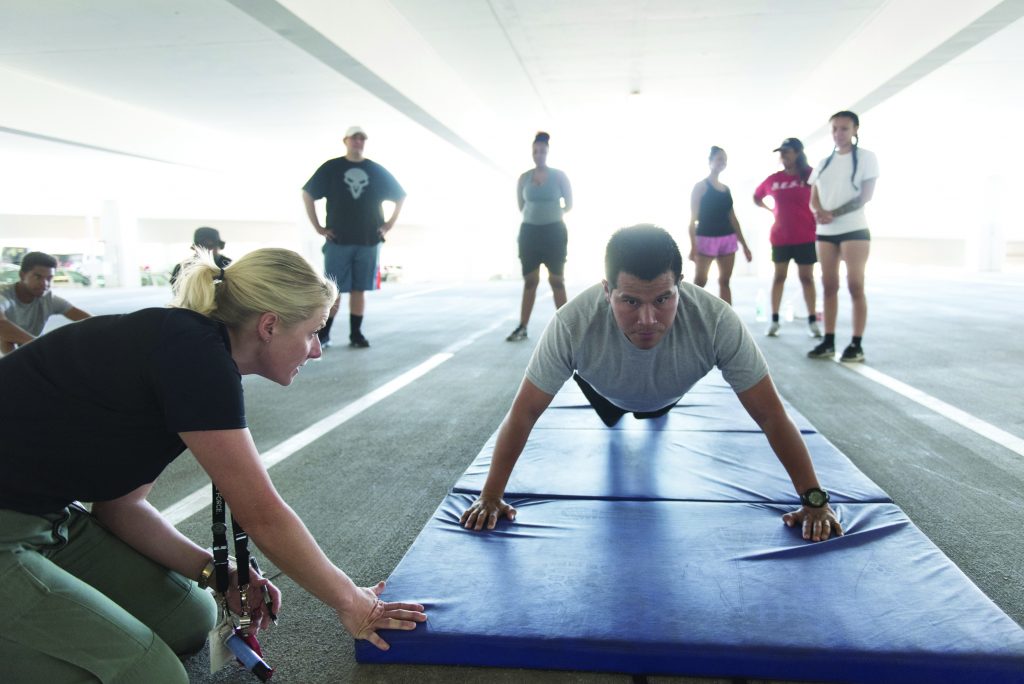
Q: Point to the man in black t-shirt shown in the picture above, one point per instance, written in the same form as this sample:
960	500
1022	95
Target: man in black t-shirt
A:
354	188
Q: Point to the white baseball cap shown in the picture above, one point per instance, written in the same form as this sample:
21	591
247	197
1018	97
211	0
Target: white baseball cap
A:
355	130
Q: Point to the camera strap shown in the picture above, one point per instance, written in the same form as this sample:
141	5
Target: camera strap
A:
221	557
228	639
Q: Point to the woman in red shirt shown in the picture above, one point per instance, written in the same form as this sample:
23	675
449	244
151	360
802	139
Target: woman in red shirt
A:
792	234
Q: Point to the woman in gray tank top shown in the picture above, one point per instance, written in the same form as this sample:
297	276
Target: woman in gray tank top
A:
544	196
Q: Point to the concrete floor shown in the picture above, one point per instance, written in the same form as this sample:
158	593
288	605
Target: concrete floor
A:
366	488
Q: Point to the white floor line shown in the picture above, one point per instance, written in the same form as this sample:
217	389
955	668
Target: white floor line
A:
1000	437
417	293
201	498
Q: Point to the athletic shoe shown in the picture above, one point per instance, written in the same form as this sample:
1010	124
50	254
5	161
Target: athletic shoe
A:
324	344
813	330
517	335
822	351
358	340
852	354
773	329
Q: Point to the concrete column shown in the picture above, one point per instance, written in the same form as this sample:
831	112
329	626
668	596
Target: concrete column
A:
119	230
990	244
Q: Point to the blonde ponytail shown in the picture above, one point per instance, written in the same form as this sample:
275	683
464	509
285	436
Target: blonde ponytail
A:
275	280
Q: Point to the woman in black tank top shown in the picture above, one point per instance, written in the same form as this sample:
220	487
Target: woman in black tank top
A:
715	233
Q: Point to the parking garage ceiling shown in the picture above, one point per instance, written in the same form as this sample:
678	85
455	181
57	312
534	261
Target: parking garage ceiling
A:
201	82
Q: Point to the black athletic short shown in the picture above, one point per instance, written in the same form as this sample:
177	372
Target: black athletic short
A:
803	254
609	412
547	244
863	234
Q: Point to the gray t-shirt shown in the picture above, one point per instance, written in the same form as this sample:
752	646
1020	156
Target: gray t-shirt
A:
583	337
30	317
542	204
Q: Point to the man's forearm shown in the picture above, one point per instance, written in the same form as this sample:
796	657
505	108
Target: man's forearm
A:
527	407
76	314
394	214
791	451
13	334
510	443
310	204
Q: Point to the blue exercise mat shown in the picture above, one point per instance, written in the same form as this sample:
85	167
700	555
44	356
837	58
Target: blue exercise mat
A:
659	464
697	589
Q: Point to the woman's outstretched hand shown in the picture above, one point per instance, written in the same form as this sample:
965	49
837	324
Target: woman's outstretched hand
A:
369	613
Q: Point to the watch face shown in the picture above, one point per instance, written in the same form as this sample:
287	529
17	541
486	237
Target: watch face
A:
816	498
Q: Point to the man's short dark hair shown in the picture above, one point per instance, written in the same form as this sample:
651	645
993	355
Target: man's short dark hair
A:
645	251
33	259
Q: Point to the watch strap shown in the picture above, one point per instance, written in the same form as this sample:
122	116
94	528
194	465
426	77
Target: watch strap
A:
815	497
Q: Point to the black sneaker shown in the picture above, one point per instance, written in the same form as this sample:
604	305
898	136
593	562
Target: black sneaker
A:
358	340
852	354
825	350
517	335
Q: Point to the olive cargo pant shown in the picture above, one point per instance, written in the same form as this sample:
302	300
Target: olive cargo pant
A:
79	605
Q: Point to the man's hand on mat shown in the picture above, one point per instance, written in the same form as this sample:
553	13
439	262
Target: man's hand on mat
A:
818	523
486	511
368	614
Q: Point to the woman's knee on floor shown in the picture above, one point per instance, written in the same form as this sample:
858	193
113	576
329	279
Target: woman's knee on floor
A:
59	629
187	625
157	664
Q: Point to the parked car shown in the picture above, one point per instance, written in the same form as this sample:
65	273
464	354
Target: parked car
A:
9	274
154	278
67	277
390	273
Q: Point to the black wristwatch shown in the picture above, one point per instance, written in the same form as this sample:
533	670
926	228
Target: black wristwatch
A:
815	497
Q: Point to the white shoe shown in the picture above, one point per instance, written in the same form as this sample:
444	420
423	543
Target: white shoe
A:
773	329
813	330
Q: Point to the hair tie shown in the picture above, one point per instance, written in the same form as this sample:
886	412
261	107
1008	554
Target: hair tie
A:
221	276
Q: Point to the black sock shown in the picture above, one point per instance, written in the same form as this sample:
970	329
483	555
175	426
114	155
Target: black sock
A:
856	341
812	318
355	323
830	339
325	332
775	318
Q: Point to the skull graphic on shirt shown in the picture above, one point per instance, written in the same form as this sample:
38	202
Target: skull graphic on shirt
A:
357	181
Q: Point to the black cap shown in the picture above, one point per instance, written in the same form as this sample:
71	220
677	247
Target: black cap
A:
790	144
207	237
